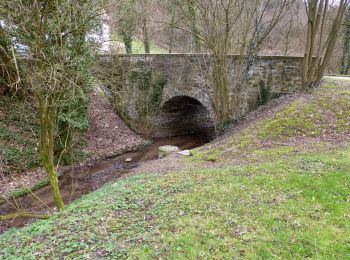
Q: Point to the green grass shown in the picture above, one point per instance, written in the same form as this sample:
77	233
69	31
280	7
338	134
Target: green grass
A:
286	202
323	112
295	208
138	47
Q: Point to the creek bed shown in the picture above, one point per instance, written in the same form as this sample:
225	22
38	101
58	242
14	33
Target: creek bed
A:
77	182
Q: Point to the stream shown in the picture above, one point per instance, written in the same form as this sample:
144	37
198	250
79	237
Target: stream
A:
77	182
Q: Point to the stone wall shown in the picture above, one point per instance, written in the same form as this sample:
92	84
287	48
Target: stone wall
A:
189	75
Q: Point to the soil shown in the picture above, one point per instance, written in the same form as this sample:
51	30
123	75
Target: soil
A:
107	134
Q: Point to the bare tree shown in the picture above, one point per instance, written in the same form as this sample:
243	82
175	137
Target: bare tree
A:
231	26
193	21
171	11
345	59
320	44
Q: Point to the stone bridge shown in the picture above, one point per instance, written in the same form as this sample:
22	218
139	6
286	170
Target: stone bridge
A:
183	100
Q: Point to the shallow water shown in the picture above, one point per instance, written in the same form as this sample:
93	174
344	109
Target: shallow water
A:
79	181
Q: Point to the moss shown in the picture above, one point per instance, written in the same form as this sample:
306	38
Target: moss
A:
324	111
243	141
294	120
36	186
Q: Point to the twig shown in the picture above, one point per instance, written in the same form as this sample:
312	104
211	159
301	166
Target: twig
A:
24	215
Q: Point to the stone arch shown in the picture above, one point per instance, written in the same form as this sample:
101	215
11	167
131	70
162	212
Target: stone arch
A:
183	115
201	96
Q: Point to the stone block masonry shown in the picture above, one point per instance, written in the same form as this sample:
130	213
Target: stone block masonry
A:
187	83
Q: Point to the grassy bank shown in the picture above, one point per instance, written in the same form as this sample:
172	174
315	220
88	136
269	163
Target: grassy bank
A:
313	120
288	197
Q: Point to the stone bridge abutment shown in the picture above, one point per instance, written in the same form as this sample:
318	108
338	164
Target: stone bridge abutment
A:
177	87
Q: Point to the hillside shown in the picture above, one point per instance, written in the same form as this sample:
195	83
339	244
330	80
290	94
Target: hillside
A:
20	166
17	135
276	185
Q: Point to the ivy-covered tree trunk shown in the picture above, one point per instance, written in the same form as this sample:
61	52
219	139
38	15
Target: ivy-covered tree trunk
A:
345	60
58	60
46	147
127	43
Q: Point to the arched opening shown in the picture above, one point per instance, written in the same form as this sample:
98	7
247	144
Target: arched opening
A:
184	115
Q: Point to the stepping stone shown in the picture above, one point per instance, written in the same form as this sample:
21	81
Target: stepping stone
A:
166	150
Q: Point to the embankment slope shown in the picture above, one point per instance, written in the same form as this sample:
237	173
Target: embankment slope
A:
277	187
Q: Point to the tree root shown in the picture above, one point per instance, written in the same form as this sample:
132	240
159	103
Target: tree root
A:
24	215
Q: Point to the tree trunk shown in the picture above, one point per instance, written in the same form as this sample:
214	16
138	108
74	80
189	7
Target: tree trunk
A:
332	39
172	34
47	146
23	215
128	44
194	30
221	100
146	42
346	45
313	67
